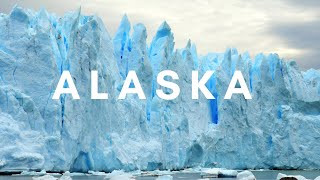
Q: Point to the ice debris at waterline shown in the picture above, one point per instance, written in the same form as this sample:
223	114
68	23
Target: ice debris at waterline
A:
246	175
278	128
284	177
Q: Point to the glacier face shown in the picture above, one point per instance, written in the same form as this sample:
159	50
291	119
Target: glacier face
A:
278	128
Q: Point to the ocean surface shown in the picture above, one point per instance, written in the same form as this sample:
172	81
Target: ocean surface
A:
260	175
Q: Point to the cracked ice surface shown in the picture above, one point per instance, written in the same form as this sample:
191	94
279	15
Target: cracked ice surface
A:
278	128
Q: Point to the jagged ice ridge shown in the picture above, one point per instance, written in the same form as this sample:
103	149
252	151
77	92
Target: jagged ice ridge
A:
278	128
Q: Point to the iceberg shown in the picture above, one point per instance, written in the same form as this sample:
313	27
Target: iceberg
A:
284	176
277	128
246	175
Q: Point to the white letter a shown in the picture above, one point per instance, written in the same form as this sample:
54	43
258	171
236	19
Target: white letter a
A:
237	76
65	76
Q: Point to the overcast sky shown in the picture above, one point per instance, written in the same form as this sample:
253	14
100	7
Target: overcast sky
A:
290	28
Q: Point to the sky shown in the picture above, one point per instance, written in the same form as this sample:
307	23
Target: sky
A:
290	28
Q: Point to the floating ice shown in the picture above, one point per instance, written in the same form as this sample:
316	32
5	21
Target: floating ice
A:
65	177
245	175
284	176
218	172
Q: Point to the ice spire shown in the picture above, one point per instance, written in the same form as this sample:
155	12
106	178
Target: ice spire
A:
124	29
121	42
19	14
164	31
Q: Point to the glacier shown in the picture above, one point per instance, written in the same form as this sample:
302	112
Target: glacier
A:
278	129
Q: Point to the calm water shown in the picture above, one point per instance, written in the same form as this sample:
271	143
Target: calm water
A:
268	175
260	175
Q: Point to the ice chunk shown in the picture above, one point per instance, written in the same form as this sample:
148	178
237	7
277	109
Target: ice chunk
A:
227	173
218	172
65	177
284	176
245	175
211	173
317	178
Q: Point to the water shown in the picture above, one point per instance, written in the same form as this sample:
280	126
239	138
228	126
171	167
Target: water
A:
185	176
268	175
260	175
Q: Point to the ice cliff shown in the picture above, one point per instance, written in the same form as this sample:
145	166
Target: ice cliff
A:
278	128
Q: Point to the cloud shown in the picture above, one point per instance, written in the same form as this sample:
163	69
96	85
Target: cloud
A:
301	35
306	4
